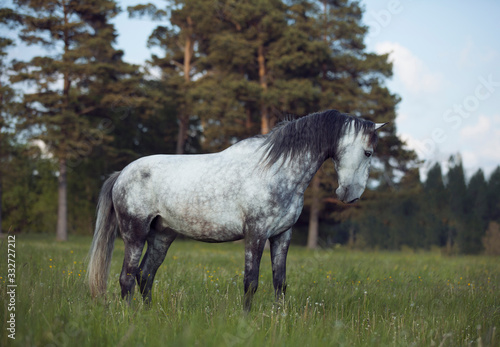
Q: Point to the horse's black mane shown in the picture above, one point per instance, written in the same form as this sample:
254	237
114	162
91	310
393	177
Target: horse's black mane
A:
317	133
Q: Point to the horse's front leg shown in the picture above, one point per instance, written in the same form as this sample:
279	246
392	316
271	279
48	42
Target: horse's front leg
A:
279	251
254	246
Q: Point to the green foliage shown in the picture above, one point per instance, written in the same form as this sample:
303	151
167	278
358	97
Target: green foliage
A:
29	204
492	195
334	297
94	78
476	214
435	208
74	88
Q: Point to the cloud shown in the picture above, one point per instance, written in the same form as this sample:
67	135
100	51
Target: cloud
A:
410	141
425	148
482	141
412	71
481	128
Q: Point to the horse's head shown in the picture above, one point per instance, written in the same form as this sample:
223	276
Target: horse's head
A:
352	161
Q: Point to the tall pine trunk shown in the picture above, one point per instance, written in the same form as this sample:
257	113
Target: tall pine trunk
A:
248	121
182	134
264	110
62	191
184	116
312	235
62	210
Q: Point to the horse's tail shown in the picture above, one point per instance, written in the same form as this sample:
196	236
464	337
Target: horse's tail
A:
104	240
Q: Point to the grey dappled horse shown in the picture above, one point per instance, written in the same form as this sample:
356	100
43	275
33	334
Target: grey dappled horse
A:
253	190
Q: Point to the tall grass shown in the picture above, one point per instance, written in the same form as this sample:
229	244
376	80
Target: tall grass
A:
334	297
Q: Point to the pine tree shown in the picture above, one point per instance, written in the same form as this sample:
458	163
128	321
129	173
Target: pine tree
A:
493	196
72	86
352	80
8	19
238	94
356	85
435	204
182	40
476	214
456	191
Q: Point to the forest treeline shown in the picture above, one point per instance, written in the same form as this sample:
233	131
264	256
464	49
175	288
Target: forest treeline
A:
446	211
227	70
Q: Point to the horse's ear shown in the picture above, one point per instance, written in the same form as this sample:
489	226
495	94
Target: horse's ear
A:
380	125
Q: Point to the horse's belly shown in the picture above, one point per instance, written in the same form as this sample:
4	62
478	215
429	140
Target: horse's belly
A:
218	228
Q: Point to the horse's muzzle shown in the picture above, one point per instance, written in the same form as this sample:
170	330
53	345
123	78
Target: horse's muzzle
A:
346	195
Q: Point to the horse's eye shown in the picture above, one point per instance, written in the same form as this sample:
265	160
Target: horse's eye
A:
368	154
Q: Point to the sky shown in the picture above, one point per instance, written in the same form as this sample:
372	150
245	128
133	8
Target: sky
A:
446	64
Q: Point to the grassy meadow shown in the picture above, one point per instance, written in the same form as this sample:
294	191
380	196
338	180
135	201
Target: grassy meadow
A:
334	298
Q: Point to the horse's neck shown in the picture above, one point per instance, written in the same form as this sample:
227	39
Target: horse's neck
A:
296	173
301	171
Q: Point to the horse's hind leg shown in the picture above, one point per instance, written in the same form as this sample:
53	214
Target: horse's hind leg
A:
279	250
254	246
133	252
158	244
134	232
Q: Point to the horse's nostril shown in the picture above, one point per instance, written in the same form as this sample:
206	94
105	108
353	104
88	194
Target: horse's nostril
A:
345	194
